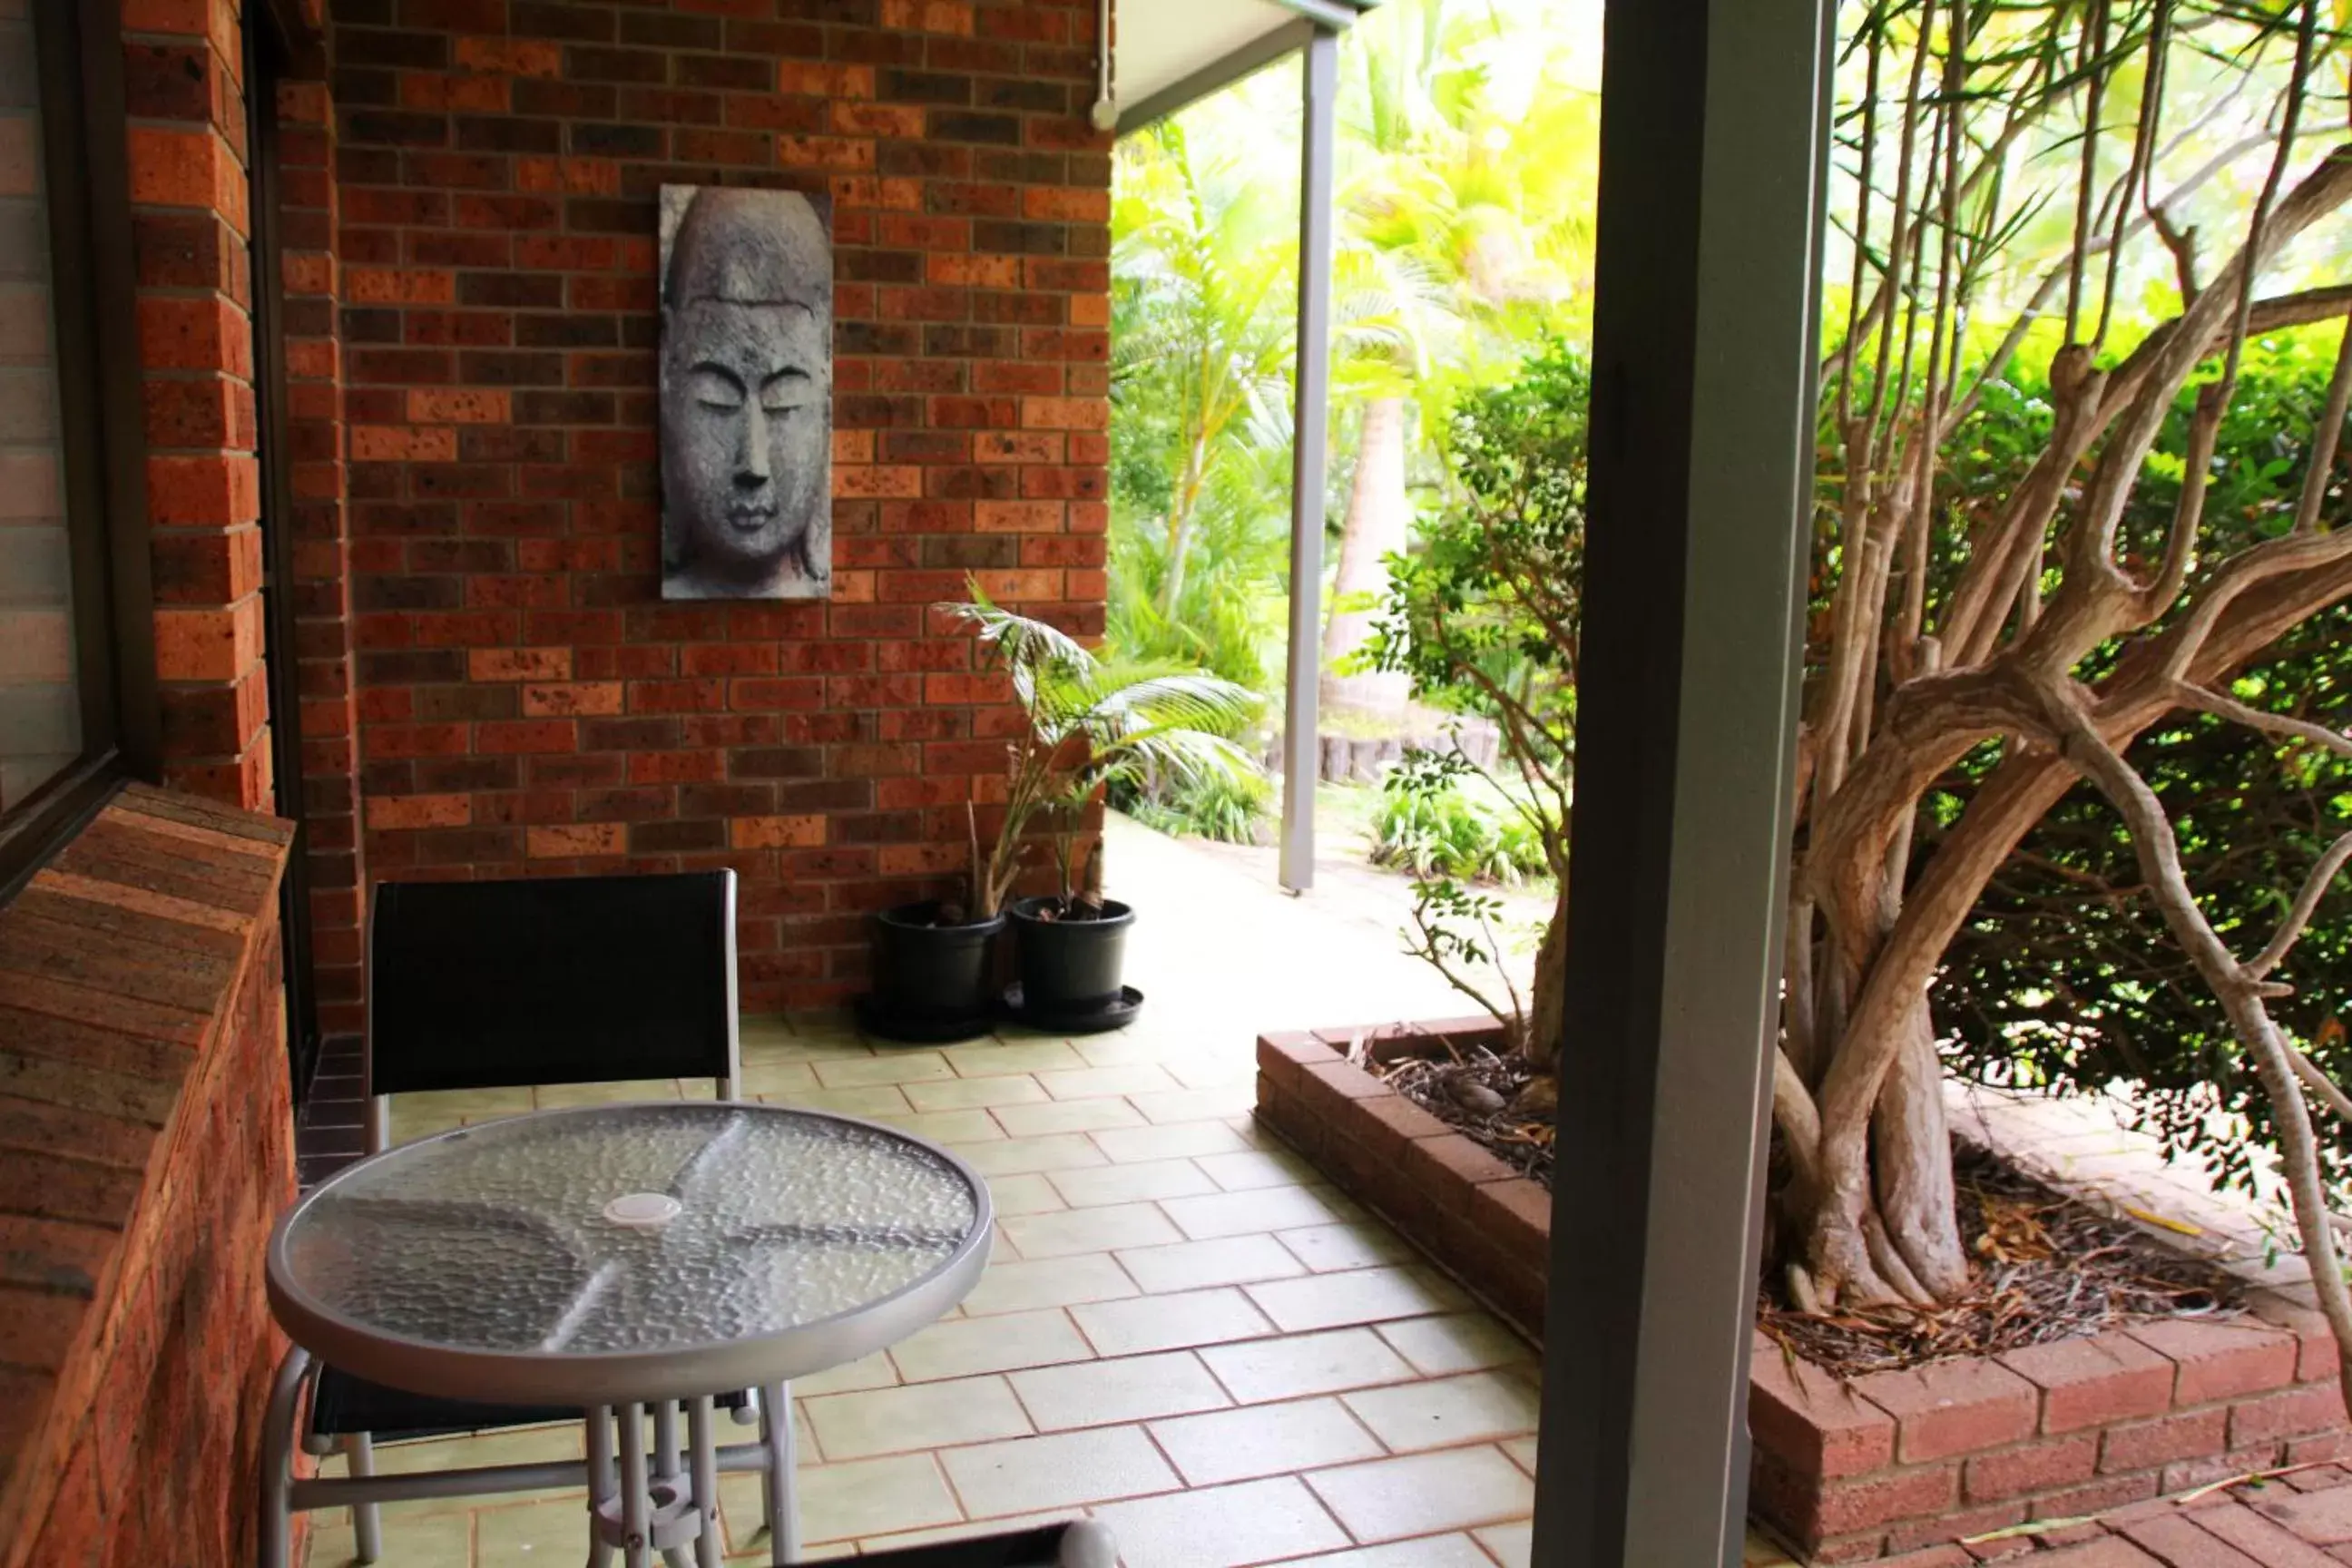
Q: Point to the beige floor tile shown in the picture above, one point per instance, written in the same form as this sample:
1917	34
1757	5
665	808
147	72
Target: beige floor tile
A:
1035	1474
1429	1552
946	1126
1477	1407
910	1066
1122	1047
968	1347
1512	1545
1221	1527
1131	1183
531	1532
1066	1116
777	1078
1197	1264
1252	1212
1022	1156
523	1446
778	1052
555	1096
854	1377
975	1093
877	1099
1022	1056
1175	1321
1032	1193
1131	1388
1267	1440
1360	1296
409	1125
840	1503
1105	1229
925	1415
1332	1248
1092	1083
1184	1105
1015	1286
1135	1144
1462	1342
1297	1365
1452	1488
1522	1451
1205	1069
1254	1168
436	1541
465	1104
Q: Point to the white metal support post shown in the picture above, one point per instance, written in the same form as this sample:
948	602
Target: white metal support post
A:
1310	425
1705	339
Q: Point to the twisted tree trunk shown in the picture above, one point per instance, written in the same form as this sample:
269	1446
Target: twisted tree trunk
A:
1379	524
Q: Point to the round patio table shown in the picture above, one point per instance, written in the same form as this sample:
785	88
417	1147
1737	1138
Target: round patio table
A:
616	1257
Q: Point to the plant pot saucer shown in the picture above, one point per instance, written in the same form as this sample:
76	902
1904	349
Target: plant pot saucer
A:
914	1029
1094	1020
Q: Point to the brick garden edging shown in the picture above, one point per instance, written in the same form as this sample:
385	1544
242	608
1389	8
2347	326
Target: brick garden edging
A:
1851	1470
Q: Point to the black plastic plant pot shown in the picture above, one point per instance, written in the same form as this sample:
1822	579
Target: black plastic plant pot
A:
1070	966
930	973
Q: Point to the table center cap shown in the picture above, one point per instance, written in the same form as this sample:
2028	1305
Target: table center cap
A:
643	1211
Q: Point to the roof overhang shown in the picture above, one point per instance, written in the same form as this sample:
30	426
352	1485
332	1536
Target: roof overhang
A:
1171	53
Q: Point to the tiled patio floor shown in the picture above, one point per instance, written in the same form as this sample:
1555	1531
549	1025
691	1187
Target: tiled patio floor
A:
1181	1331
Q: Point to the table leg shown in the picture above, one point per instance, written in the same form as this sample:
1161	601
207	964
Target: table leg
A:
600	1484
709	1546
636	1525
667	1468
783	1511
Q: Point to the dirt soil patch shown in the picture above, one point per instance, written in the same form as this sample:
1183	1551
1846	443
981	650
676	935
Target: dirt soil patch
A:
2047	1266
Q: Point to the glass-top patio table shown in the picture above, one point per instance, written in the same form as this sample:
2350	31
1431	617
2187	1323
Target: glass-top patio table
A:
617	1257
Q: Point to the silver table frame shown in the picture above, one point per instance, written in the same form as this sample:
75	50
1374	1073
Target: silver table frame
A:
641	1501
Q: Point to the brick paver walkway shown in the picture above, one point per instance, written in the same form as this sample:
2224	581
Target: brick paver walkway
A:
2299	1521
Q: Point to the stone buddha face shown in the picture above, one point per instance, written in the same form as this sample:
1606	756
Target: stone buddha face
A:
746	398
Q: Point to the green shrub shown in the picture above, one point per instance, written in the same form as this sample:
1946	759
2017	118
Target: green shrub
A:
1442	832
1230	809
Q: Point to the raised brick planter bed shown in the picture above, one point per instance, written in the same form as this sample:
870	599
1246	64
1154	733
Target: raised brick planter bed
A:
1851	1470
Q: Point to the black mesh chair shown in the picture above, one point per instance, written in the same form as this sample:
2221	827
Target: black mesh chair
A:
1082	1544
499	986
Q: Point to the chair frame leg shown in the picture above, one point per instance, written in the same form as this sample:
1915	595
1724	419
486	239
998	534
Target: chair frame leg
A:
277	1530
367	1518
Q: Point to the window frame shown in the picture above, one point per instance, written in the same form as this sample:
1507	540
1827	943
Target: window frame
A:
94	306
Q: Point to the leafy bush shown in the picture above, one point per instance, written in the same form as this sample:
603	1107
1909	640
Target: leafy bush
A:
1442	832
1230	809
2065	976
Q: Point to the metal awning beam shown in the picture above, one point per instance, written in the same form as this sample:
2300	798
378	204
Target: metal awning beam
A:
1215	76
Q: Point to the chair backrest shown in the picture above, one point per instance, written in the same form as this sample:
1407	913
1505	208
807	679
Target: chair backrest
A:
552	979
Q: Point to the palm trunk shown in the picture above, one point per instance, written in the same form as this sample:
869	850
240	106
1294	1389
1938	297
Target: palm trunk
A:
1379	524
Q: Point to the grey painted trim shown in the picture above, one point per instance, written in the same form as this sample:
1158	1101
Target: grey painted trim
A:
1310	435
1337	14
1217	75
1707	285
1751	471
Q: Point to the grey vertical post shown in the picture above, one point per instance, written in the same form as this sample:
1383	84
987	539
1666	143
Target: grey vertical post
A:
1705	341
1311	422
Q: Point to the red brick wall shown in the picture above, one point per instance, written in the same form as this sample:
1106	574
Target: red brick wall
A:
145	1153
183	90
525	702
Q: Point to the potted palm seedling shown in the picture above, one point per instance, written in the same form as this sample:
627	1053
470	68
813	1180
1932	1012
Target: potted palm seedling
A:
1089	721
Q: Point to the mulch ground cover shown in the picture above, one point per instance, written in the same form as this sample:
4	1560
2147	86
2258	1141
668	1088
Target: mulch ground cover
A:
2047	1266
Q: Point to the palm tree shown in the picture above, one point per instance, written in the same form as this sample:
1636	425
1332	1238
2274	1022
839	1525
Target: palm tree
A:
1462	233
1212	274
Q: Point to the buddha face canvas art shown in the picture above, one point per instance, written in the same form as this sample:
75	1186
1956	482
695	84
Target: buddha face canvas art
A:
746	394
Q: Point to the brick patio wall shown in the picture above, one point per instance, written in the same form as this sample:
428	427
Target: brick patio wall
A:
524	702
1851	1470
144	1154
